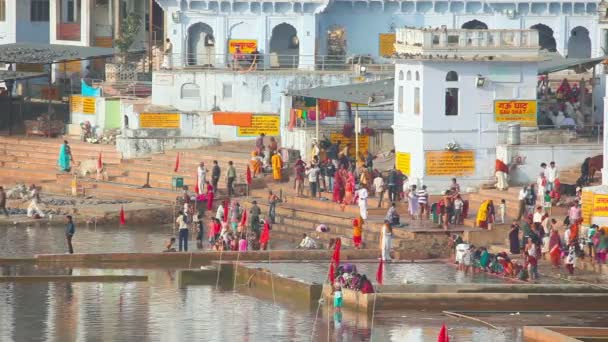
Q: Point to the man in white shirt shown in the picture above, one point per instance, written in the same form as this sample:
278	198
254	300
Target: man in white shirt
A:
522	202
538	215
379	189
362	193
313	174
551	175
307	242
202	177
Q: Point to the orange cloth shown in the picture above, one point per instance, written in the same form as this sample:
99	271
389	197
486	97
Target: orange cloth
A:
501	166
328	107
232	119
292	120
357	226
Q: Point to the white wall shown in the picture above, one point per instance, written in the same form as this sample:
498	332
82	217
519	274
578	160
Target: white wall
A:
473	129
565	156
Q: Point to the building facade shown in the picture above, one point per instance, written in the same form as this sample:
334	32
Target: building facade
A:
24	21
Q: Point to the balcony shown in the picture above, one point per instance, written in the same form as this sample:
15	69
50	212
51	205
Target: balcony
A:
68	32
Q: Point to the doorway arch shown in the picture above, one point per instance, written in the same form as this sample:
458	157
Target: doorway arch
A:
579	43
284	46
474	25
201	45
545	37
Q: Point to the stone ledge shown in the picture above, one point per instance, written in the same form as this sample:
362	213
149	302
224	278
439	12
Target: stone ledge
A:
73	279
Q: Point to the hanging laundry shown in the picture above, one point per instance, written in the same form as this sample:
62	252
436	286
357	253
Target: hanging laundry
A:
292	119
310	102
328	107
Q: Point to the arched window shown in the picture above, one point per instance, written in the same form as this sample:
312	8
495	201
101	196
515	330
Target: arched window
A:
452	76
190	91
266	93
401	75
417	76
409	76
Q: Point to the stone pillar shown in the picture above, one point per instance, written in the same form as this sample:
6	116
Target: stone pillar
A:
604	171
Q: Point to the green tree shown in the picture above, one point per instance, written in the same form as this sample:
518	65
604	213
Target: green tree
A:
128	34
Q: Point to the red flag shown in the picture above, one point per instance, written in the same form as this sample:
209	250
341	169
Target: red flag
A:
176	163
225	210
379	277
249	179
336	256
443	335
244	218
265	237
197	190
123	221
99	162
331	276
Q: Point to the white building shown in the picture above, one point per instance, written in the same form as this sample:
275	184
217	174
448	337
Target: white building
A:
439	100
24	21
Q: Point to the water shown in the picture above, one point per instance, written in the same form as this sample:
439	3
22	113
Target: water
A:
158	311
393	273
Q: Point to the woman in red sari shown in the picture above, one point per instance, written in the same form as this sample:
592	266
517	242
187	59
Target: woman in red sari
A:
210	196
338	188
554	248
349	191
265	236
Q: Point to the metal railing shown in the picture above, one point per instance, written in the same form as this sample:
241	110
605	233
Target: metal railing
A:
370	119
267	62
563	135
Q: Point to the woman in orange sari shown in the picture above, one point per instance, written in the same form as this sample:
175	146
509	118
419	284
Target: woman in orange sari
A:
256	163
357	230
349	190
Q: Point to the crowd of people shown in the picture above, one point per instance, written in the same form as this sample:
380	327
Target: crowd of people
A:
347	277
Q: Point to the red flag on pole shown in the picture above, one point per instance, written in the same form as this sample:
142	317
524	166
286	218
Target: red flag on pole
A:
249	179
123	221
176	163
379	277
197	190
336	256
443	335
99	162
331	276
244	218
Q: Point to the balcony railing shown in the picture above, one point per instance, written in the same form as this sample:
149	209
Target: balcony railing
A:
269	62
68	32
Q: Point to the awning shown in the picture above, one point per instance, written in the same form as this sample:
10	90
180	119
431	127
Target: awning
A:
28	53
557	62
375	93
7	75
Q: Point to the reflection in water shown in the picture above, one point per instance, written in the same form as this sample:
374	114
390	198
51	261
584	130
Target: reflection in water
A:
159	311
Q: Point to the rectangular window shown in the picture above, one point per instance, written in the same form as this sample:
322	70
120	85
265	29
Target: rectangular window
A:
2	10
453	40
39	10
400	100
417	100
227	90
451	101
435	39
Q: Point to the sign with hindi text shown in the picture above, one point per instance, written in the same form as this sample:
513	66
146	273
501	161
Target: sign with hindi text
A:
267	124
387	44
403	162
587	206
515	111
246	46
450	163
600	205
159	120
363	143
82	104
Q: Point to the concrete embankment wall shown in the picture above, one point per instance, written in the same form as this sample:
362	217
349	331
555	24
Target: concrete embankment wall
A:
196	259
564	334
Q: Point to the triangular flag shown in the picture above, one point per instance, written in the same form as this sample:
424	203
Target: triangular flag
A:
244	218
443	334
249	179
331	276
336	256
197	190
176	163
123	221
99	162
379	277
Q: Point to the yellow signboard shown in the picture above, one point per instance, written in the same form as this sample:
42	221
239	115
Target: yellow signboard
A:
403	162
363	143
387	44
245	45
587	206
449	163
82	104
600	205
508	111
159	120
267	124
